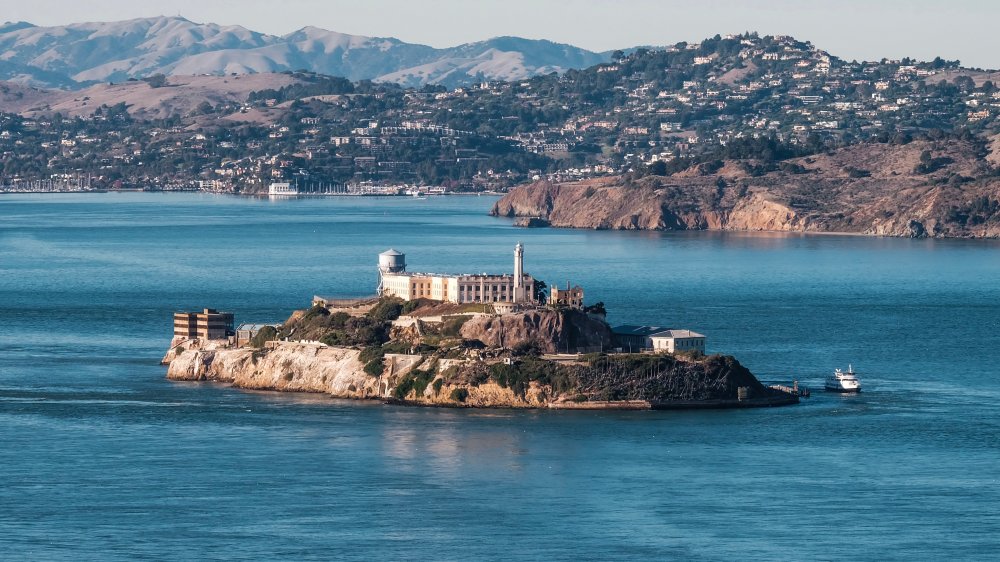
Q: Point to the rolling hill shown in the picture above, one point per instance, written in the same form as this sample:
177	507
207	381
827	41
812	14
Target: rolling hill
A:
83	54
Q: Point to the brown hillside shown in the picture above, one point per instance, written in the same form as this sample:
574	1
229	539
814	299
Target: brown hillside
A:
180	96
866	189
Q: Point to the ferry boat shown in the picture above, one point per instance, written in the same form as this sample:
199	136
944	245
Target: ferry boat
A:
840	381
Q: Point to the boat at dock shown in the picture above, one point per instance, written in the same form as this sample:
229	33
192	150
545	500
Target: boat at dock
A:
841	381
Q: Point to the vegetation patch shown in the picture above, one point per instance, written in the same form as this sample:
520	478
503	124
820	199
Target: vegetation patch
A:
387	309
519	375
374	359
453	326
416	380
264	335
336	329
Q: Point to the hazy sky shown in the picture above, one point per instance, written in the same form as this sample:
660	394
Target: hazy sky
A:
953	29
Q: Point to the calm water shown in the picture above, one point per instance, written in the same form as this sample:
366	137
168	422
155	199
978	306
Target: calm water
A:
101	457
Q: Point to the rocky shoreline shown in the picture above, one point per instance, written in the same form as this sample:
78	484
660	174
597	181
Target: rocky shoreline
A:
418	380
871	189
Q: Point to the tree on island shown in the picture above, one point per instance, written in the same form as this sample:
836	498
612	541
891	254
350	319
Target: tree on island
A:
541	291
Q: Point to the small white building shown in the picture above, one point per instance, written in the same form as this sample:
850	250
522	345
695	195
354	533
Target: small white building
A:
634	339
673	341
282	188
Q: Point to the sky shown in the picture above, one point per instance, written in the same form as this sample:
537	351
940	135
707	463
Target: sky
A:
850	29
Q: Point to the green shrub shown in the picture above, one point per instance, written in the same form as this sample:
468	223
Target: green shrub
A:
416	380
265	334
420	381
315	311
156	80
437	386
375	367
387	309
374	359
338	319
459	395
371	352
396	347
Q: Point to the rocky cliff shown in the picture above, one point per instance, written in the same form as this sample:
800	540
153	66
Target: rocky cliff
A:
619	382
924	188
545	331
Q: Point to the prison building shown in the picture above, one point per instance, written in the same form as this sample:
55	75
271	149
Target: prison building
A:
395	281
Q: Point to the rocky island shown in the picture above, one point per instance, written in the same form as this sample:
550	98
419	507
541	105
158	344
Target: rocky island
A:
472	340
433	354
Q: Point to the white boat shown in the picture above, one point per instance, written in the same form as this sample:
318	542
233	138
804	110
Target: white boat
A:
840	381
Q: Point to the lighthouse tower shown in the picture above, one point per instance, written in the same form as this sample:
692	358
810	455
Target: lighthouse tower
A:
519	295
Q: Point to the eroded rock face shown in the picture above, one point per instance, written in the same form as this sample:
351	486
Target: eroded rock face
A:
296	367
288	367
961	199
549	331
616	381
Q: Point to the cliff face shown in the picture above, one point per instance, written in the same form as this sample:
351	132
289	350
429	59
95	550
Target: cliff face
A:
864	189
300	367
548	331
288	367
632	383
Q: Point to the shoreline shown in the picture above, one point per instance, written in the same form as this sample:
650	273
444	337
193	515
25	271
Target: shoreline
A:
338	372
497	194
255	195
775	401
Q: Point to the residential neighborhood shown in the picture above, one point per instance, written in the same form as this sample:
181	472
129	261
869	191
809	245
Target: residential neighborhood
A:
671	108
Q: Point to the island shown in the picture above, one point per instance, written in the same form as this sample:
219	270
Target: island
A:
482	340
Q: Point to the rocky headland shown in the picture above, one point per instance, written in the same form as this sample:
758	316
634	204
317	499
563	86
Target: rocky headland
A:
946	189
468	360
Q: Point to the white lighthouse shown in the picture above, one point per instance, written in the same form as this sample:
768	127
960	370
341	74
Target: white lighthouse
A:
519	295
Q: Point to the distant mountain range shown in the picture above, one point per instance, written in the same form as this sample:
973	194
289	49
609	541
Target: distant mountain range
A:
82	54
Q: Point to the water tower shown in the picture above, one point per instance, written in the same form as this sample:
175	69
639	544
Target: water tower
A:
390	261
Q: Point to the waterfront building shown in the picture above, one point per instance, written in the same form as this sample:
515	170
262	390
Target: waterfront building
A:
516	288
209	324
672	341
657	338
282	188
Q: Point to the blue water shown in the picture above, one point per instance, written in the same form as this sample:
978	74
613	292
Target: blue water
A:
102	458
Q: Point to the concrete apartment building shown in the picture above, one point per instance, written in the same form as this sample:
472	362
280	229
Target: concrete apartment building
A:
209	324
515	288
